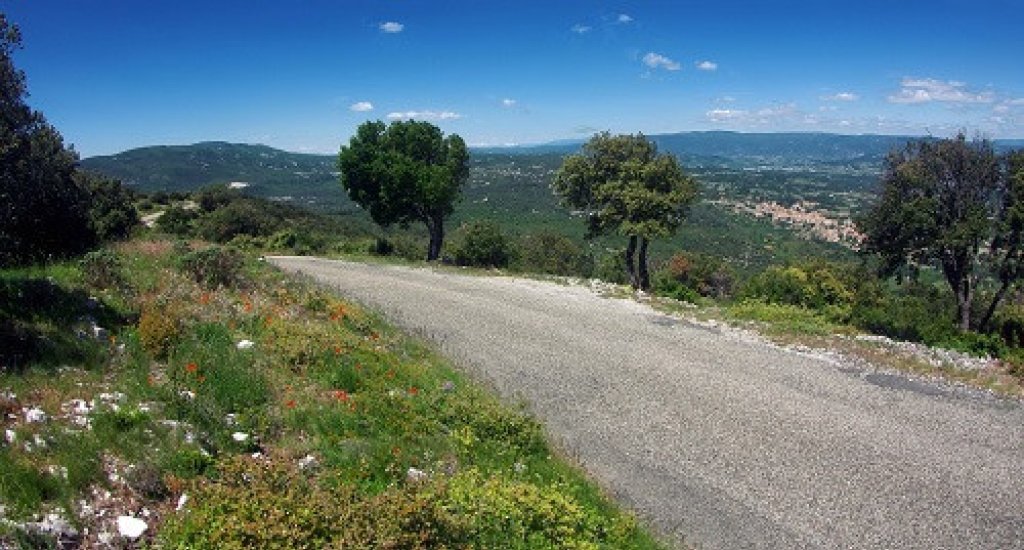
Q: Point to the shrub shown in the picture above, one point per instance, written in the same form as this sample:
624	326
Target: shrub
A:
102	269
686	276
111	213
213	267
815	286
553	253
176	221
611	266
240	217
505	513
483	245
268	504
159	330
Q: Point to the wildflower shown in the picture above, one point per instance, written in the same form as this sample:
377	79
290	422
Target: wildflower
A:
290	404
204	298
201	379
247	305
396	451
413	390
341	395
151	380
390	374
337	350
191	368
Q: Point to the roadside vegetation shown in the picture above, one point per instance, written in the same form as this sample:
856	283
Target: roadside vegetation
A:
224	405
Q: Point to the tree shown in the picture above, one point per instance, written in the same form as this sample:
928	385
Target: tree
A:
112	214
954	205
626	187
43	212
404	173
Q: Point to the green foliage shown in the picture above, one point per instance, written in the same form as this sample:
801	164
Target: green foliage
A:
159	329
214	197
213	266
508	513
44	214
626	187
783	317
482	244
102	269
939	201
406	172
238	217
265	504
111	211
177	220
816	286
610	266
687	276
554	254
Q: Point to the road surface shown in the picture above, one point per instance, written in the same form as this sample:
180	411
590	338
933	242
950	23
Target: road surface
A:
713	436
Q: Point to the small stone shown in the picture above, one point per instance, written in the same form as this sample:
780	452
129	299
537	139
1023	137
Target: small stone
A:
35	414
519	467
182	500
240	437
244	344
10	436
448	386
307	462
99	333
187	394
131	528
231	419
415	475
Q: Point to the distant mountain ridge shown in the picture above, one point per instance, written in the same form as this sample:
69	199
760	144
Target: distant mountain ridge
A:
300	177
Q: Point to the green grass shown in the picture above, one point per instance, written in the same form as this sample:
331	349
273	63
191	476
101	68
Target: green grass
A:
323	379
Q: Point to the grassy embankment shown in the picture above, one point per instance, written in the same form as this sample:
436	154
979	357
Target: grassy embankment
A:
269	412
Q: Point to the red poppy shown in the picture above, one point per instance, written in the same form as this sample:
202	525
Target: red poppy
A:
191	368
341	395
290	403
413	390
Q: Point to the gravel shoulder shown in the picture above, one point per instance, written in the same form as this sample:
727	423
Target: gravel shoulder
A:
715	436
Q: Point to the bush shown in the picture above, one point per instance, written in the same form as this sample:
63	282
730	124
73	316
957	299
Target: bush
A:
241	217
482	245
554	254
102	269
611	266
213	267
159	330
176	221
815	286
687	276
111	213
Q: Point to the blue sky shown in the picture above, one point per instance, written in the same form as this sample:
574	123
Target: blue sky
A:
301	74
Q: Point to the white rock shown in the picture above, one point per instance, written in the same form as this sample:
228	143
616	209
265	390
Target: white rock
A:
307	462
130	527
182	500
240	437
35	414
187	394
10	436
415	475
244	344
100	333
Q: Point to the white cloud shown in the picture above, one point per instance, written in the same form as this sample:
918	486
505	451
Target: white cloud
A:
841	96
726	99
725	115
625	18
424	115
1018	101
392	27
658	61
580	29
926	90
508	102
361	107
707	65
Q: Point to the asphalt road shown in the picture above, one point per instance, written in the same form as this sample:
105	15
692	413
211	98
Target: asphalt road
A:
717	437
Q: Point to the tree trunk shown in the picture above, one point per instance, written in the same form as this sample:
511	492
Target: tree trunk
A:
435	225
641	266
992	306
630	269
963	305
